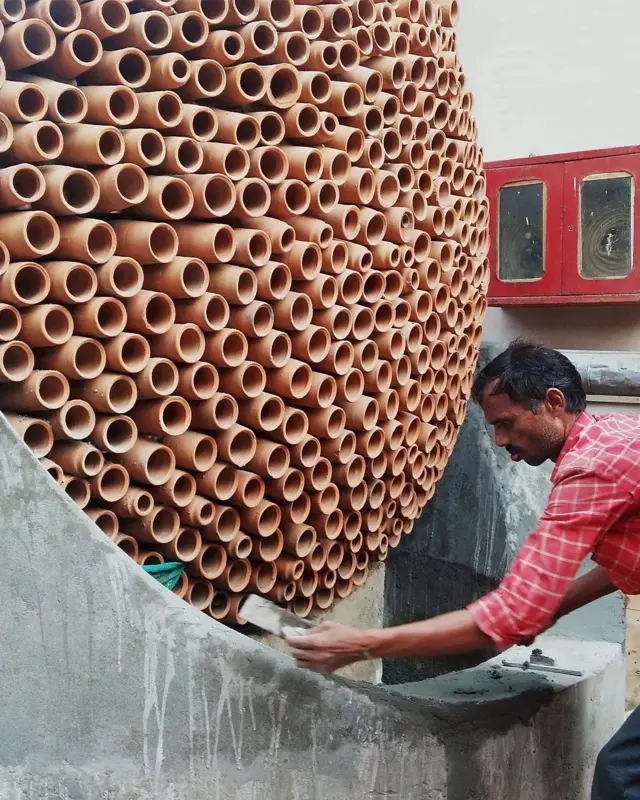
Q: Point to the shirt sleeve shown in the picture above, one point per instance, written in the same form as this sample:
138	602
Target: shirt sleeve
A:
582	506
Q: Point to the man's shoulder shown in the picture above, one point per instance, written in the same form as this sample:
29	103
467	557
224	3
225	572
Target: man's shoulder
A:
608	444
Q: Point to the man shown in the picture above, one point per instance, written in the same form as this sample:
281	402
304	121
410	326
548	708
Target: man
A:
534	399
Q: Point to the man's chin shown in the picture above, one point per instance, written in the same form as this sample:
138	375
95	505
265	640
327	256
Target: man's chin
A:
534	461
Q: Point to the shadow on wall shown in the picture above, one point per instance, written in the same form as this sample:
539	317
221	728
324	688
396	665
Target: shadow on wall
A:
460	549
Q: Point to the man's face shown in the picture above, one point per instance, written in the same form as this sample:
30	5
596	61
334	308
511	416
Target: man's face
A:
533	433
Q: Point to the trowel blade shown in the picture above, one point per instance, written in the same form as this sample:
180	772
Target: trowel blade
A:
270	617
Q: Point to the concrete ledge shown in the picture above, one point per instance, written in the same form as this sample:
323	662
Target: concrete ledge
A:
114	689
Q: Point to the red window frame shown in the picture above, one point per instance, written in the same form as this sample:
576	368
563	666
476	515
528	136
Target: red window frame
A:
562	282
573	282
551	176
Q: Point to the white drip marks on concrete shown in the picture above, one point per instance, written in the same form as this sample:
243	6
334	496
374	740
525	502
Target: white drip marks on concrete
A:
159	647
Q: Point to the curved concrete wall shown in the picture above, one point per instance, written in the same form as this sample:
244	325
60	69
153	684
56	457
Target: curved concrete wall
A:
114	688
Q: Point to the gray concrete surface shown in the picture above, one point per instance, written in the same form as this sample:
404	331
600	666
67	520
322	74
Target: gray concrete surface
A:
114	689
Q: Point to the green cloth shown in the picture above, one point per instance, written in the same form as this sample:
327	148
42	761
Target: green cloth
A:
167	574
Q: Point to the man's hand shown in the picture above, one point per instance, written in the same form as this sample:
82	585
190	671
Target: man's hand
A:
327	647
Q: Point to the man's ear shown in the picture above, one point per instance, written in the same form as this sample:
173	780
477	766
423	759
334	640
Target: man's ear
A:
555	401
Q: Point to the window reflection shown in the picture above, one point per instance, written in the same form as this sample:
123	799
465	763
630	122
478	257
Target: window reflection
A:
521	232
606	229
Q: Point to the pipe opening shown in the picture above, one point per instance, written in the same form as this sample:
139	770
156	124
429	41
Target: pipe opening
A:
133	68
79	192
37	38
86	47
252	83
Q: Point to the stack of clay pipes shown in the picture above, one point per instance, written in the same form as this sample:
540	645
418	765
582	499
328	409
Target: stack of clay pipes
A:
243	271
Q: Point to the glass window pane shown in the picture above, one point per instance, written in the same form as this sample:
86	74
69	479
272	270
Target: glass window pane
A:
521	234
606	211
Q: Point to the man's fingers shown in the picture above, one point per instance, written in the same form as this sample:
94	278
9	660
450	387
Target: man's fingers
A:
302	641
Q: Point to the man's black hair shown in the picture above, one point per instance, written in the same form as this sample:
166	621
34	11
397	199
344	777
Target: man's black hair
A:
525	370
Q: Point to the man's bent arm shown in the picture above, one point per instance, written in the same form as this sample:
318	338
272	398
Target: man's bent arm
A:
592	586
455	632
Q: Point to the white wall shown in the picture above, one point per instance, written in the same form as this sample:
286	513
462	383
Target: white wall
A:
554	76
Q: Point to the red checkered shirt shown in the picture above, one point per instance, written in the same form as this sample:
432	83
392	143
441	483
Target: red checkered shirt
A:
594	507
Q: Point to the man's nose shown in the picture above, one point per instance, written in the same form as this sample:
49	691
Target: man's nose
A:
502	440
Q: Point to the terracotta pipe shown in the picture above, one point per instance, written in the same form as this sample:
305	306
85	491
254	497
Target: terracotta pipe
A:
89	240
52	469
274	281
273	350
337	320
200	593
205	81
128	66
321	392
293	428
210	312
182	278
27	42
135	502
183	343
362	322
128	545
226	348
305	163
339	359
23	102
199	512
79	491
214	195
291	197
35	433
373	287
147	242
105	18
249	490
148	462
41	390
365	355
264	411
110	393
35	141
67	190
210	562
71	282
306	586
27	234
246	83
219	412
159	377
142	147
110	484
168	71
198	381
271	127
329	525
350	387
111	105
167	415
150	312
340	449
169	198
117	434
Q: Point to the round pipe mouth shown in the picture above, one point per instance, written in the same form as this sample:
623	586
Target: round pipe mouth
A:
80	191
37	39
163	377
10	323
119	433
133	68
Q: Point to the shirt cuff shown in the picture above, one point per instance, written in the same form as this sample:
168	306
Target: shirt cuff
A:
484	612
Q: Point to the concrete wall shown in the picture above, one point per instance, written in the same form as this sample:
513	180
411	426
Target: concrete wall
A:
115	688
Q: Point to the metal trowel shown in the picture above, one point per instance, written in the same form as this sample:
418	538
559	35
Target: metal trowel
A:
271	618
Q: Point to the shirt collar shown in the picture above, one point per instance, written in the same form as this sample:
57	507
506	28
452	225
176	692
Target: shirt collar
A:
576	429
